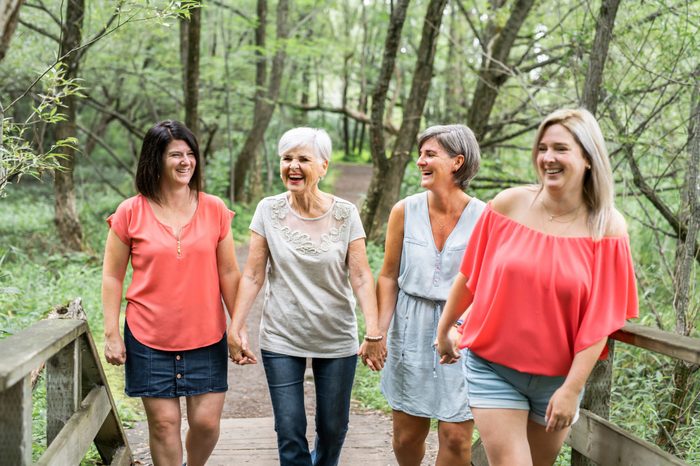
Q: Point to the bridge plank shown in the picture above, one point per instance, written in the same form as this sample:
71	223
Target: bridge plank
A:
605	443
74	440
16	423
25	351
670	344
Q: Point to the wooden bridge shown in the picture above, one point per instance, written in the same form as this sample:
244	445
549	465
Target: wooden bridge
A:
81	411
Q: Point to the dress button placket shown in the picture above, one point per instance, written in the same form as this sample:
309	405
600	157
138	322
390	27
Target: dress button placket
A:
436	271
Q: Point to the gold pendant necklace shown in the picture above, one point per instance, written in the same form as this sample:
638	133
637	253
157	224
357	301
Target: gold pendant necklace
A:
553	217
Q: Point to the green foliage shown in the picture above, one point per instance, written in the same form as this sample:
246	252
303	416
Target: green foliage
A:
17	155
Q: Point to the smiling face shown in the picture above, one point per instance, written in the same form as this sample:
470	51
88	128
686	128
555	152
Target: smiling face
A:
300	170
179	163
436	166
560	161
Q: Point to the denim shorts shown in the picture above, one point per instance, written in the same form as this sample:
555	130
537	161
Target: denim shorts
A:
495	386
170	374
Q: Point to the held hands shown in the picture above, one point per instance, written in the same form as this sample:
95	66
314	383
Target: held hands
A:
561	409
446	346
115	351
238	348
373	354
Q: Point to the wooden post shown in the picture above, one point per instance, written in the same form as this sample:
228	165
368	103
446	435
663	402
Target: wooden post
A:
16	423
63	391
597	397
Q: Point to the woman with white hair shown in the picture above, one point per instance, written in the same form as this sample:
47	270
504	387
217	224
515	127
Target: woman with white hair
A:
425	241
310	246
548	275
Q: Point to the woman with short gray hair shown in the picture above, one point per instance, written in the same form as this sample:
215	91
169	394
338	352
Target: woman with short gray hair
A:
425	241
310	247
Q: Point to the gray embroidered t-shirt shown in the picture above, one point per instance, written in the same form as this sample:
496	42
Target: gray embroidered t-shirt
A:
309	307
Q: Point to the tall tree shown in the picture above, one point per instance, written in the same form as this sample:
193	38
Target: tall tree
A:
9	15
599	54
385	187
191	46
686	253
66	215
496	45
265	99
597	394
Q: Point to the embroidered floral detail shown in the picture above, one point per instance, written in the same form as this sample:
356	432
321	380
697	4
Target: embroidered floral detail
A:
302	242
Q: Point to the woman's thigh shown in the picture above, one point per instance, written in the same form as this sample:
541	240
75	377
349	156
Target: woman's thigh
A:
205	410
333	378
285	380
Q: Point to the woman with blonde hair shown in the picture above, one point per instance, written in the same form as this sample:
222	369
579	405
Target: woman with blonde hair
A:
548	275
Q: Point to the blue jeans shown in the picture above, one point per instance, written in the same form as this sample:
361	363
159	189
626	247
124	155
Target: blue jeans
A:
333	378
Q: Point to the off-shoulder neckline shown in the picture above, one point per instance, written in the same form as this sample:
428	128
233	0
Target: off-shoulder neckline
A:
549	235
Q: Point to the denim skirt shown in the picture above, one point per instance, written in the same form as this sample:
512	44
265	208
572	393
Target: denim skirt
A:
170	374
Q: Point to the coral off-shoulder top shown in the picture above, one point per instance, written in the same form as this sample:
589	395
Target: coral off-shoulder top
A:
539	299
174	299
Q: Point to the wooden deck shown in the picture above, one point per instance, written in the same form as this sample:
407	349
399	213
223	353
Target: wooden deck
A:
252	441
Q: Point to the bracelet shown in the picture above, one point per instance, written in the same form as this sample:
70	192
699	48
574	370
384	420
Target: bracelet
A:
458	323
374	339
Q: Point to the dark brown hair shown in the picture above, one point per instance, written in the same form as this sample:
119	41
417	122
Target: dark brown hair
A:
150	164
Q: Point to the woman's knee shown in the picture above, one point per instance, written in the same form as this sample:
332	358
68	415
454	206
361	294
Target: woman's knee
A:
164	427
456	437
407	437
332	428
205	425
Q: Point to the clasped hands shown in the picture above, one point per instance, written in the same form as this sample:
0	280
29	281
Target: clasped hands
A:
446	346
373	354
238	348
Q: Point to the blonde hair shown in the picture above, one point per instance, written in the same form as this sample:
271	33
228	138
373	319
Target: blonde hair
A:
598	189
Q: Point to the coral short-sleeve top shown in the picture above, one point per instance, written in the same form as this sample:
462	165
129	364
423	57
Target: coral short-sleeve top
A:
539	299
174	300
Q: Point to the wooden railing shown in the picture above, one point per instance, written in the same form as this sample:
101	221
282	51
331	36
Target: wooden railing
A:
80	409
601	441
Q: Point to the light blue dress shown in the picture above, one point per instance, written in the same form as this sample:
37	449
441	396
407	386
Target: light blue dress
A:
413	381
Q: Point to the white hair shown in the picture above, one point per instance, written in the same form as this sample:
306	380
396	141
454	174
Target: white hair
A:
313	138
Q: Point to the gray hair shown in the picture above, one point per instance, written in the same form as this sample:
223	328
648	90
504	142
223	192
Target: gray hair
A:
456	140
313	138
598	188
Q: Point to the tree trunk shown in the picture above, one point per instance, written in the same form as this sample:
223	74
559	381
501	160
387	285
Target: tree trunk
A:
494	69
377	144
386	184
672	416
9	14
264	101
599	54
191	66
191	82
453	101
597	395
66	215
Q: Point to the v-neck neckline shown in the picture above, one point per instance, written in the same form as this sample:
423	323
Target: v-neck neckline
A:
432	236
169	228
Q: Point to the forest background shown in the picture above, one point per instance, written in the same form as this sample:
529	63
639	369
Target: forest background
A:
82	80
